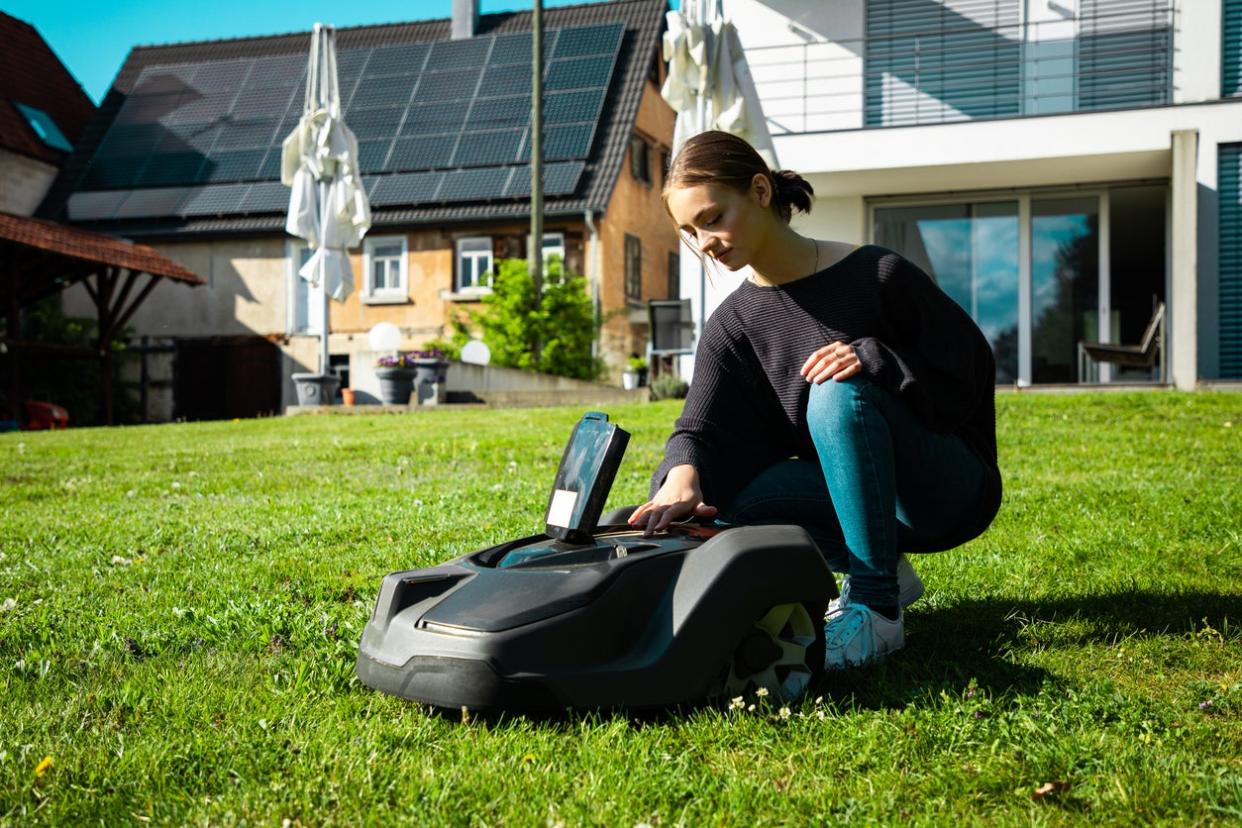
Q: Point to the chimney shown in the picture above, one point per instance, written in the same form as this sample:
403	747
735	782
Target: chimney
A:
465	18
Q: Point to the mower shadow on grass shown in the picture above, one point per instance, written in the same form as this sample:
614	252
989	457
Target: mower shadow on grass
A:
950	647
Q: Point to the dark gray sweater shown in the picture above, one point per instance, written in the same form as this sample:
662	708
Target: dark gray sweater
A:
747	404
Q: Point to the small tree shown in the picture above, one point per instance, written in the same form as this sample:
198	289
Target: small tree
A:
563	325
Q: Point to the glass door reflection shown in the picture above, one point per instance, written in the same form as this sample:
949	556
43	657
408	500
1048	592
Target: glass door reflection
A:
1065	280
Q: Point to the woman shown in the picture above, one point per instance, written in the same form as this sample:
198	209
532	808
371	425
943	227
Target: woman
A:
837	388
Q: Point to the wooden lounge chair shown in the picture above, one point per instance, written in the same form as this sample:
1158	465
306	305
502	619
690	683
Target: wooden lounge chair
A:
1143	355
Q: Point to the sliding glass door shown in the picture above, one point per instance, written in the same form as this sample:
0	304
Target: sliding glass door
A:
1033	270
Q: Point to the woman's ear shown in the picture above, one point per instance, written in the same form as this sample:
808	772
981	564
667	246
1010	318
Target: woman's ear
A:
761	186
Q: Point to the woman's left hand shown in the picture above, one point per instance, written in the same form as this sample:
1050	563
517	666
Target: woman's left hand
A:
836	361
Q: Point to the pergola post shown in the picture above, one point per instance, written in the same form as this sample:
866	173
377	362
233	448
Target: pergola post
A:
14	334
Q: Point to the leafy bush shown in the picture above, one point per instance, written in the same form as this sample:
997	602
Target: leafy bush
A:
553	335
669	387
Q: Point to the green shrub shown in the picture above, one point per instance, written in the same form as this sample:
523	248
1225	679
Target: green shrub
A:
669	387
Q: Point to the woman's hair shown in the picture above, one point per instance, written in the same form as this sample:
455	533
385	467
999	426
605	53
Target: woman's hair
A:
722	158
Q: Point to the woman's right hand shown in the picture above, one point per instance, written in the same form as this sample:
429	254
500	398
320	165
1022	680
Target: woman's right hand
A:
680	497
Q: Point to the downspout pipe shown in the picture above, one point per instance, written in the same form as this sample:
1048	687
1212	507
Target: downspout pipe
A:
593	273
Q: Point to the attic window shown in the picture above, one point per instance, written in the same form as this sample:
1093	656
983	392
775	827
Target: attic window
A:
45	127
640	167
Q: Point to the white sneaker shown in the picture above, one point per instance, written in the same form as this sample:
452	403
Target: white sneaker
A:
857	636
909	588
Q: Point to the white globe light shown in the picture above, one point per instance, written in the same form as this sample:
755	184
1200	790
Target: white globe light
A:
385	336
476	352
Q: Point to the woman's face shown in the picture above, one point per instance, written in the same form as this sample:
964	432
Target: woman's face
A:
723	223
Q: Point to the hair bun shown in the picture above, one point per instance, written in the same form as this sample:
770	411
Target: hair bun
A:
792	191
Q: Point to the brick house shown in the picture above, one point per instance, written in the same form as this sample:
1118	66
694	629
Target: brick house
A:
184	155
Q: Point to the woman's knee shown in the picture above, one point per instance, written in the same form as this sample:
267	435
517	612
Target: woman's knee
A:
831	402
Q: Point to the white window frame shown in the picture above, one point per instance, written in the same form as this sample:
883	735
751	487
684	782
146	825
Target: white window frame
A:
293	258
557	249
458	255
391	295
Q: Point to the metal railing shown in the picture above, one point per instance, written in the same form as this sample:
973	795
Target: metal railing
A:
1114	60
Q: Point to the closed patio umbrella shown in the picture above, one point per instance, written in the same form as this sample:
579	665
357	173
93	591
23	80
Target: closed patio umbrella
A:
709	86
327	203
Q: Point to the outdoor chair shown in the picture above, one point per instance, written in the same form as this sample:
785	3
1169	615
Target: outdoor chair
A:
1143	355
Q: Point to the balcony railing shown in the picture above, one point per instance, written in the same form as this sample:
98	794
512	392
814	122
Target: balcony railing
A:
910	71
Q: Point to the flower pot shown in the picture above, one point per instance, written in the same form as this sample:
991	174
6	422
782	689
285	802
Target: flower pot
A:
629	380
347	394
316	389
396	384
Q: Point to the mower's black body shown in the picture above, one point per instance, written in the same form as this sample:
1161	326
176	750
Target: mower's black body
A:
544	624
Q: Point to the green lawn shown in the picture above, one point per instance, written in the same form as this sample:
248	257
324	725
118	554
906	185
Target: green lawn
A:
186	601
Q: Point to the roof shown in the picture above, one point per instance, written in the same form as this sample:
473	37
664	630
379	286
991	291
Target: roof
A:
31	74
412	179
88	246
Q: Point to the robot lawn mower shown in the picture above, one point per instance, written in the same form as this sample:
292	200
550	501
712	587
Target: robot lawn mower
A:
592	616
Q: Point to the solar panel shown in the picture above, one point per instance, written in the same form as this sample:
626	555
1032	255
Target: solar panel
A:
129	139
369	124
395	60
154	76
506	80
409	188
589	40
372	155
208	201
270	168
452	85
188	137
435	118
247	135
568	107
173	168
285	70
223	74
94	206
476	149
266	102
472	185
267	197
421	152
114	173
578	73
148	109
234	165
558	179
494	113
373	92
162	201
459	54
206	109
562	143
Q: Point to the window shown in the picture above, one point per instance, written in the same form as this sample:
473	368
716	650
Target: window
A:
1231	49
45	128
553	245
633	268
639	167
474	263
674	275
303	297
665	158
384	263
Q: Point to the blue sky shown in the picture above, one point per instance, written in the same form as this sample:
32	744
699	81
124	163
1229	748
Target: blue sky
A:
93	38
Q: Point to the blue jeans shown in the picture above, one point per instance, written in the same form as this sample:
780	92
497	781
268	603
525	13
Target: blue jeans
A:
884	484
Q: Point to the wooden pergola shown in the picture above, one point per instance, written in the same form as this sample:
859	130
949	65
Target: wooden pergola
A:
40	258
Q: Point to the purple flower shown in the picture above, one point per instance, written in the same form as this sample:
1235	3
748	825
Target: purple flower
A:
1206	705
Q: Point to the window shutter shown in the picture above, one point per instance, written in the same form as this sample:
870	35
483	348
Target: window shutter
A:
928	62
1229	186
1124	53
1231	48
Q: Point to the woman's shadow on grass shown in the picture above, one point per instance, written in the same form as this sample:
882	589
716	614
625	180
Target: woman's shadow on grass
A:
982	640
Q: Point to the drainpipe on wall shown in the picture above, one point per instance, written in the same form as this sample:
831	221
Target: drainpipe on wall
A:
1182	330
592	264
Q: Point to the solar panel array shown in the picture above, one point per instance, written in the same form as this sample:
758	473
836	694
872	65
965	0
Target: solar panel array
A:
436	122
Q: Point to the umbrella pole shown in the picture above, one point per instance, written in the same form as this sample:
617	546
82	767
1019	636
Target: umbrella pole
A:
323	291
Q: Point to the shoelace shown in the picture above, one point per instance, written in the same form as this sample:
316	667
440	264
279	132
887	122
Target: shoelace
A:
851	619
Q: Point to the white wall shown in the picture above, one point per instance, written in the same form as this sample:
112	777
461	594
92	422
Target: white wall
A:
23	182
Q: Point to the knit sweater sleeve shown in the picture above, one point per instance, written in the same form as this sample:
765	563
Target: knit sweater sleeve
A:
721	430
937	360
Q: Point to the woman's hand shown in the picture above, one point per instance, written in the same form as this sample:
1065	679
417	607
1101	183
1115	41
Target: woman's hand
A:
837	361
680	497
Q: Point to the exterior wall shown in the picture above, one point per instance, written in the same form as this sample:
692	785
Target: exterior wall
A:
636	208
23	182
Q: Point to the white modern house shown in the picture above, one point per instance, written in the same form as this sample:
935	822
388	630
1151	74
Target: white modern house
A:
1061	167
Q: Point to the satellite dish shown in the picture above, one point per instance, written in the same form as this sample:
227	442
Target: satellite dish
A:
385	336
476	352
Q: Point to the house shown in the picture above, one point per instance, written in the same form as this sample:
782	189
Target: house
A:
43	111
184	155
43	114
1059	167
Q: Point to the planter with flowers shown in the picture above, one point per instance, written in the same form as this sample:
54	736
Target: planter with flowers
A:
421	372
